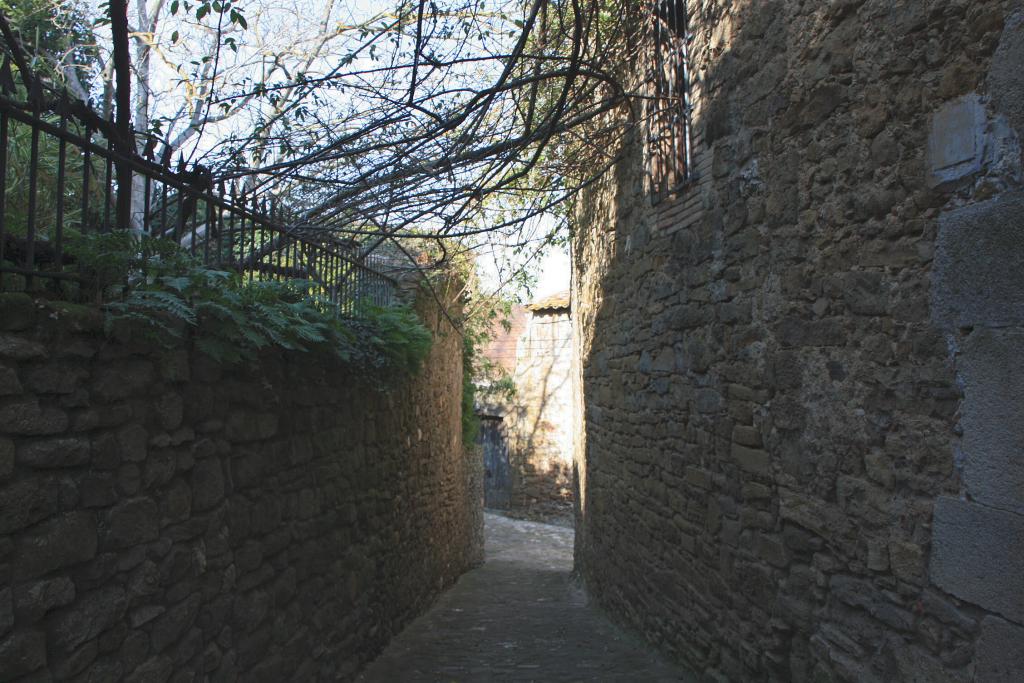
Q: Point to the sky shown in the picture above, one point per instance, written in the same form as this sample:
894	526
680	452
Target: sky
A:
553	275
273	23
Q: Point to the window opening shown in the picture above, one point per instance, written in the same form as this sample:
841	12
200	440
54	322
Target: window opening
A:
669	126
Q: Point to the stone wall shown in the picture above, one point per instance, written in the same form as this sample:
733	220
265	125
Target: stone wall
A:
165	518
801	454
540	448
536	423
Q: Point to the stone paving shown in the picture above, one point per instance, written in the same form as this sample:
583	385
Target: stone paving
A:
519	617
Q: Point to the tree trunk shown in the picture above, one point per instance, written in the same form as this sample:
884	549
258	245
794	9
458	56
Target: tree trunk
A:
125	139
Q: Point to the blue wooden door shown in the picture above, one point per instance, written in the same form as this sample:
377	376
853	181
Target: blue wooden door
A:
497	478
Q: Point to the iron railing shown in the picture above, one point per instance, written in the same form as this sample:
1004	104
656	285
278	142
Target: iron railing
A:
669	130
59	163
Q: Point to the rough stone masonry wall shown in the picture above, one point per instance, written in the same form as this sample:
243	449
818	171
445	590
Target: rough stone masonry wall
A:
802	454
166	519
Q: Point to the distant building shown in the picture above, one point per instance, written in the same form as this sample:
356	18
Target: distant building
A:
528	439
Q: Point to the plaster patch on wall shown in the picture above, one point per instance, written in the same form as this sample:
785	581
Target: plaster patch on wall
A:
956	144
978	273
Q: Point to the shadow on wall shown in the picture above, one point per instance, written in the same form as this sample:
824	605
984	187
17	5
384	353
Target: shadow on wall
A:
524	466
767	408
540	453
540	470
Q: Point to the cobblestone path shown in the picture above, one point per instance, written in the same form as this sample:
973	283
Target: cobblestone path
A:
519	617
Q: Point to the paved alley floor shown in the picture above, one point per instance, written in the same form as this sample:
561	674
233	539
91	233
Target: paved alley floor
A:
519	617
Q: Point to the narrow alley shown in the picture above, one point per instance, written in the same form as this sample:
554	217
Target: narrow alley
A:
519	617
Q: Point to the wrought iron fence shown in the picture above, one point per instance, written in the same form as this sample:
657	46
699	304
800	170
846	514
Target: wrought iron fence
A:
669	126
59	165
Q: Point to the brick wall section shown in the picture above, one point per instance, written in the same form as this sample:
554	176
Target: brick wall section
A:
501	347
800	381
164	518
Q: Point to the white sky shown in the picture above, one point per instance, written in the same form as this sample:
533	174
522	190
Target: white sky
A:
551	272
273	22
554	273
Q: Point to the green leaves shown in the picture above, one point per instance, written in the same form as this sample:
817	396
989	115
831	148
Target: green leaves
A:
168	296
204	9
237	18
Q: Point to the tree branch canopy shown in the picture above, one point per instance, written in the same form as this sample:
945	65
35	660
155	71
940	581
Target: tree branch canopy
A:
429	119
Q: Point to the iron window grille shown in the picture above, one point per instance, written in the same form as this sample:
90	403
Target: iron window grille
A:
669	133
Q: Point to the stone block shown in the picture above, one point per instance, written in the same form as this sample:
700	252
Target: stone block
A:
6	458
124	379
772	550
65	665
154	670
1006	77
747	436
97	490
134	649
753	460
250	610
89	616
999	657
249	556
55	378
52	453
698	477
246	426
174	622
21	653
17	348
174	366
978	555
188	648
176	503
17	311
9	384
160	467
813	514
145	614
824	100
169	409
993	432
75	317
6	610
207	482
130	523
25	417
129	479
956	143
132	442
878	556
25	502
978	275
60	542
35	599
916	665
865	293
793	332
907	560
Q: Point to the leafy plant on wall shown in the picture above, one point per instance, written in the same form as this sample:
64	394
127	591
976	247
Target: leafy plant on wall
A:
156	289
